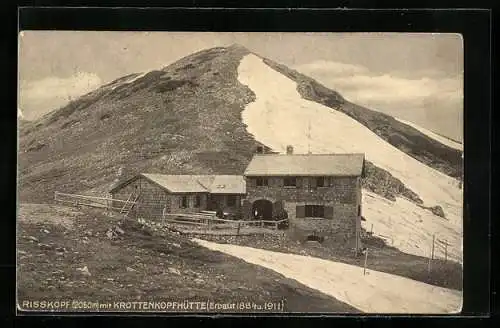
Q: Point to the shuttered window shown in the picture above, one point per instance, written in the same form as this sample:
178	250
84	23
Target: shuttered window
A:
300	211
262	182
197	201
290	182
315	211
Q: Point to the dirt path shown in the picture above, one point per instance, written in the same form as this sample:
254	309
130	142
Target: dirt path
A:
375	292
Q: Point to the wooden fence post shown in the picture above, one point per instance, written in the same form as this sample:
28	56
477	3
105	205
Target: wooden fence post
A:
366	258
356	247
433	241
238	231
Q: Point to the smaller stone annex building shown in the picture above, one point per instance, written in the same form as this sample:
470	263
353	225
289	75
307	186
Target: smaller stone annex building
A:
180	193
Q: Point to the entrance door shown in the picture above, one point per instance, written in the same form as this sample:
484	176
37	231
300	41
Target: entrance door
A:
212	203
263	208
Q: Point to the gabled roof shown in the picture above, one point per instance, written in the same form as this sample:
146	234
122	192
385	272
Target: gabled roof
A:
306	165
216	184
179	183
228	184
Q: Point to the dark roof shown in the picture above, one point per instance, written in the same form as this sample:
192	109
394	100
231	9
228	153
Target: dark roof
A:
306	165
215	184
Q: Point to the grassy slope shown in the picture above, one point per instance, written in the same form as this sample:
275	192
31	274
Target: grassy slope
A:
184	118
140	265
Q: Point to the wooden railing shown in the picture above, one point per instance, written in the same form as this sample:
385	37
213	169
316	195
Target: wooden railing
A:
209	220
92	201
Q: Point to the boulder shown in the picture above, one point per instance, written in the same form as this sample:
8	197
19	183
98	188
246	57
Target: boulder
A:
45	246
437	210
84	271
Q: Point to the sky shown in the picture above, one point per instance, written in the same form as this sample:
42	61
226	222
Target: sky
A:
415	77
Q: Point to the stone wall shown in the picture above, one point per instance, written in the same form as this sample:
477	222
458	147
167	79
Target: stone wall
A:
339	190
153	198
343	194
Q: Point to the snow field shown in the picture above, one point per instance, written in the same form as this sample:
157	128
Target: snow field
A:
410	228
375	292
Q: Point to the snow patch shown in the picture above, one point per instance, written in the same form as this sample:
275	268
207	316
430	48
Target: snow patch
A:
375	292
445	141
410	228
279	116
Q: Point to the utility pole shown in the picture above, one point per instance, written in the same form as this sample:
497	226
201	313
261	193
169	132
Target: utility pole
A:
366	259
308	137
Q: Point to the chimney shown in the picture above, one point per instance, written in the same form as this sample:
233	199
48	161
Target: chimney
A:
289	150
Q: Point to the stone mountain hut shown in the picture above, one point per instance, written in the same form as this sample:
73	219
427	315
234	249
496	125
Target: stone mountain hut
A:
319	192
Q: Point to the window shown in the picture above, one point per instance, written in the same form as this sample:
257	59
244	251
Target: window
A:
315	211
261	182
290	182
231	200
320	182
197	201
184	202
359	210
